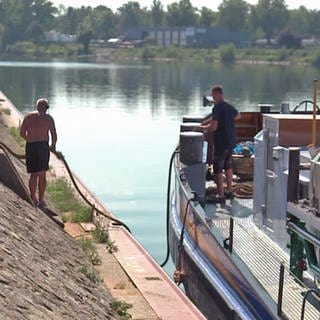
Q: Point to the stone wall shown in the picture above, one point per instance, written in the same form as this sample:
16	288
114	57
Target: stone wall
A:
40	265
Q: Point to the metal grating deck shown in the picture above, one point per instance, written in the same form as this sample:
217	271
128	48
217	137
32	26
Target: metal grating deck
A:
263	257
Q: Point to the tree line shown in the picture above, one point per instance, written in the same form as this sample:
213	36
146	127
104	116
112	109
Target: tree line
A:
28	20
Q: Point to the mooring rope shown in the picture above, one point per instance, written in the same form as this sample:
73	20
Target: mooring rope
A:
60	156
243	190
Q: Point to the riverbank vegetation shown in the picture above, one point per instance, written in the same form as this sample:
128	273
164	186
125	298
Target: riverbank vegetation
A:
63	198
38	29
15	133
31	50
225	53
101	235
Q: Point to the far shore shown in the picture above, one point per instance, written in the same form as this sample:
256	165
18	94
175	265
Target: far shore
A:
251	55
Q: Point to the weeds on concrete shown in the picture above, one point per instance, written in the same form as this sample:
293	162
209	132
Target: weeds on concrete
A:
91	274
111	246
121	308
88	247
120	286
63	198
15	133
101	235
5	111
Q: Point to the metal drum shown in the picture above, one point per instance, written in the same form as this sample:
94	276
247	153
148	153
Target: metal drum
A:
285	107
189	126
192	118
265	108
191	146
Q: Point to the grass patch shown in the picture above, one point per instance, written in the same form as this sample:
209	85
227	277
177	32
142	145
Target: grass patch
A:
91	274
88	247
263	54
120	286
29	49
101	235
15	133
5	111
63	198
121	308
111	246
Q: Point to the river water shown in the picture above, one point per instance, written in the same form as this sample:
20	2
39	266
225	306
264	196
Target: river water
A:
118	123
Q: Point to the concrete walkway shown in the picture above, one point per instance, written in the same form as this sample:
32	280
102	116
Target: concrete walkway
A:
130	274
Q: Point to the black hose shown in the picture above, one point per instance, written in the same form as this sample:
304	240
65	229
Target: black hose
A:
61	157
20	157
168	206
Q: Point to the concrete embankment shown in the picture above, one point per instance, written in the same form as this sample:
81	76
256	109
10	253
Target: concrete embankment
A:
40	262
40	266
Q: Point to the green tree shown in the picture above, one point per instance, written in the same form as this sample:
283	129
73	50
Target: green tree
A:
131	15
207	17
233	14
67	22
227	53
12	20
85	33
271	16
18	16
299	20
43	12
181	14
157	13
35	32
314	20
289	39
2	31
103	22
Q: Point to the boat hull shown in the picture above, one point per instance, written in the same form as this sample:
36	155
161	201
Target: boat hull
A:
212	279
196	286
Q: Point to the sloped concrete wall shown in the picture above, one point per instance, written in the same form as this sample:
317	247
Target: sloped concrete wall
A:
10	178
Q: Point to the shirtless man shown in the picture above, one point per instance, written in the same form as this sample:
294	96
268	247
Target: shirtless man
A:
35	130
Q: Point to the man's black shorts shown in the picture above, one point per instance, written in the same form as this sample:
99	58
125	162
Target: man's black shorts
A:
37	156
222	161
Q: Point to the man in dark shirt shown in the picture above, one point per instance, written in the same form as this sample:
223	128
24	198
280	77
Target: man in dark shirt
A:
222	124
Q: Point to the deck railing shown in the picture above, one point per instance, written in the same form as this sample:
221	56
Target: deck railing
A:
270	266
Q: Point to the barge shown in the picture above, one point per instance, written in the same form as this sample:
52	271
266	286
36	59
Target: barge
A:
257	255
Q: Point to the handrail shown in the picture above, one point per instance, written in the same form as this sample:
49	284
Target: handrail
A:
228	242
305	299
168	206
304	234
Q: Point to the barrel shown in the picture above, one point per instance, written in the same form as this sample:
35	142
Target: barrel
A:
191	146
189	126
192	118
285	107
265	108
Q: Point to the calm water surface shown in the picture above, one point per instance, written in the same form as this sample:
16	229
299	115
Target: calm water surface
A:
118	124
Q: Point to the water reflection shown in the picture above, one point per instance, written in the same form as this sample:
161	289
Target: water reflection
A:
118	124
175	89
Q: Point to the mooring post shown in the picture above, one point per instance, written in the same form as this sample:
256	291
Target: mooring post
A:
231	226
293	178
280	289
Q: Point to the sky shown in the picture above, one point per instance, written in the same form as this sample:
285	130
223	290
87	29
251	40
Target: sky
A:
112	4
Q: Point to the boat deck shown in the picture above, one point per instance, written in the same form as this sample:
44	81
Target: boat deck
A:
262	256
